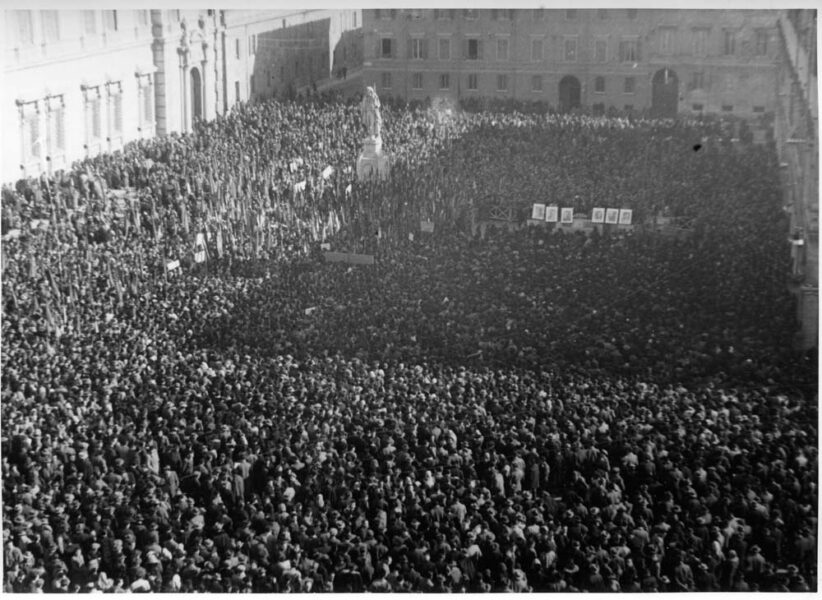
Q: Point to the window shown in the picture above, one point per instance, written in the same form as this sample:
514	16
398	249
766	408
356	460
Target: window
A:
56	125
392	13
25	28
418	48
236	91
599	85
697	81
355	19
469	13
630	85
385	80
727	108
570	14
502	49
473	49
536	83
759	109
386	48
441	14
445	81
666	41
599	109
602	13
416	81
237	48
252	45
89	22
32	128
51	25
729	46
445	48
142	17
502	82
110	18
570	49
730	83
505	15
536	49
115	107
377	14
539	14
93	113
696	107
601	51
629	50
762	42
700	42
416	14
472	82
147	92
631	13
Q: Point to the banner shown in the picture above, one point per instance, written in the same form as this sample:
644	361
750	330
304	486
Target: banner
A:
598	215
625	216
328	171
200	248
567	216
354	259
538	212
299	187
174	264
612	216
12	234
551	214
427	226
325	246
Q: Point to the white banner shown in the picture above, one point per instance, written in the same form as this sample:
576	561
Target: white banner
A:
612	216
538	212
427	226
551	214
328	172
200	256
625	216
174	264
299	187
598	215
567	215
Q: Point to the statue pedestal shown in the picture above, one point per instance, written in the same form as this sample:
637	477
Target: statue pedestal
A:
372	161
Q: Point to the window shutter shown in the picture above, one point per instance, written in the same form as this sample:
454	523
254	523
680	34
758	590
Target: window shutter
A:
639	50
479	50
409	43
425	48
378	50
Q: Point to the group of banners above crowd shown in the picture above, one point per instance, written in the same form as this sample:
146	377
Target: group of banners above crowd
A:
609	216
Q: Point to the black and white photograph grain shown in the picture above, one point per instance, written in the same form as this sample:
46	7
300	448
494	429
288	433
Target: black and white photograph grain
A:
409	300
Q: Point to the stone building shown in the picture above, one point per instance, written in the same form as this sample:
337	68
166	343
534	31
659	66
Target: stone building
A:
80	82
666	61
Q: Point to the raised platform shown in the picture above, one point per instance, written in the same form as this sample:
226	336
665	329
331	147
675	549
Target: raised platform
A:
372	162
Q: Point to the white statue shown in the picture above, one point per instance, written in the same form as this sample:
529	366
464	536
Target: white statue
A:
370	111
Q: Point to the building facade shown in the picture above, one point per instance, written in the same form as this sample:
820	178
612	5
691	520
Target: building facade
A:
797	143
666	61
80	82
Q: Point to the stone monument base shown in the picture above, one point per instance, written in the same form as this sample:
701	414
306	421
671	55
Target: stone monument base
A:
372	162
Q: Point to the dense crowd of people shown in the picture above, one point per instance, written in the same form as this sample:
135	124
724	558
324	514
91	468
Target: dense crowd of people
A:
511	411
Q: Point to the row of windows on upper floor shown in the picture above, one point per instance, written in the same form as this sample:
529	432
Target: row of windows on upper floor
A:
629	50
493	14
697	82
55	25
